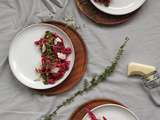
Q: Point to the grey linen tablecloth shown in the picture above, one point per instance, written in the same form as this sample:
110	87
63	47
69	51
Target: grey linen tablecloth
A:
18	102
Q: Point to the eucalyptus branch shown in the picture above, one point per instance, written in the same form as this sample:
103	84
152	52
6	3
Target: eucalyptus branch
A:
88	86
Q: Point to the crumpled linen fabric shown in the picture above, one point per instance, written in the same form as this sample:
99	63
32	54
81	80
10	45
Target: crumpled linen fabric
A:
18	102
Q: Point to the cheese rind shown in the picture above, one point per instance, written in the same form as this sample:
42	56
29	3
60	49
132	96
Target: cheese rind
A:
57	40
61	56
55	70
139	69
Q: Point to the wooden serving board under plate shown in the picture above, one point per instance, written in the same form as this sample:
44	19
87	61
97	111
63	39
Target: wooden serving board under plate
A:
89	10
80	63
80	112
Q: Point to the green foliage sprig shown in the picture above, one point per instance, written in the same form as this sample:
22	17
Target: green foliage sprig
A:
88	86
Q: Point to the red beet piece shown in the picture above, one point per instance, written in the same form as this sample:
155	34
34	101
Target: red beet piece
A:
91	114
105	2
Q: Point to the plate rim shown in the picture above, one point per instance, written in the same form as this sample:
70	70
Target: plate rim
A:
115	105
10	61
141	2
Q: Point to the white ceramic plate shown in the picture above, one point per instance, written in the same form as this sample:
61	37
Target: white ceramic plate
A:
112	112
24	56
119	7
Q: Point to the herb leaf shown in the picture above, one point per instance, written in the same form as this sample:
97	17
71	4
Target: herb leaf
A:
88	86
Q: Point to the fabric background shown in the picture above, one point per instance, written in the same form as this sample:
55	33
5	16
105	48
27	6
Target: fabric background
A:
18	102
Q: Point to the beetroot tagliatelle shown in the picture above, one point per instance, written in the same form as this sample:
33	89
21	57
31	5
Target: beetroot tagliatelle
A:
54	56
105	2
92	116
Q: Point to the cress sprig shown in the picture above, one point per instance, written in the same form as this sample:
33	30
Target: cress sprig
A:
88	86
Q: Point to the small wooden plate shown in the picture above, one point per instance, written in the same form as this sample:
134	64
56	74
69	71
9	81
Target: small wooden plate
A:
80	64
80	112
88	9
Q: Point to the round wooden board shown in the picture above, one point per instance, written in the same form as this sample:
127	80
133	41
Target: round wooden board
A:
88	9
80	112
80	64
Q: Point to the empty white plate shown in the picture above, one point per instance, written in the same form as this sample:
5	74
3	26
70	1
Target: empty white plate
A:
24	55
119	7
112	112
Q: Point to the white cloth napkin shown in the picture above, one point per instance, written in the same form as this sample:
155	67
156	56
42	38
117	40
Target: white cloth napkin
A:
19	103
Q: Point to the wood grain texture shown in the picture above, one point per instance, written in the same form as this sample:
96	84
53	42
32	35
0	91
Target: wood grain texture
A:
80	112
89	10
80	64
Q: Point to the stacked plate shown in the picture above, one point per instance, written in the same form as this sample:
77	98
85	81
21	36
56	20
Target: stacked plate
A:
103	109
119	7
24	55
111	112
114	13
